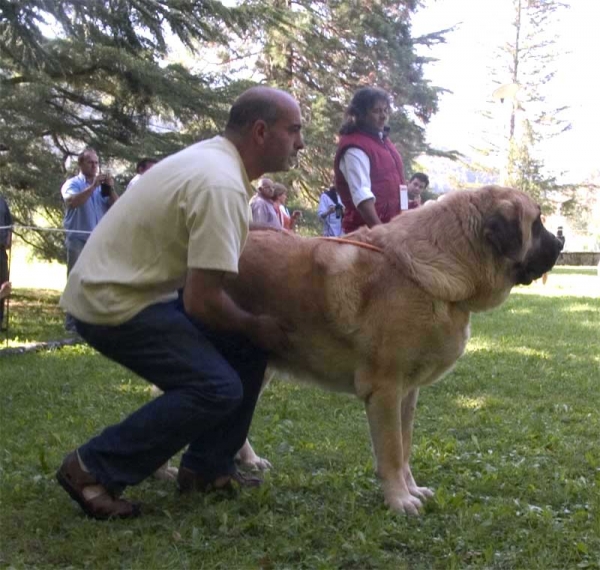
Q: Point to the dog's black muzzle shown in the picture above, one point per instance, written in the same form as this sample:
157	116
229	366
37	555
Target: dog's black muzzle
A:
540	259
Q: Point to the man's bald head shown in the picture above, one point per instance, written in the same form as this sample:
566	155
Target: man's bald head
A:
257	104
265	126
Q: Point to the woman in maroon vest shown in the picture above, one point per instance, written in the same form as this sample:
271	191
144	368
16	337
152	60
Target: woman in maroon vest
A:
368	168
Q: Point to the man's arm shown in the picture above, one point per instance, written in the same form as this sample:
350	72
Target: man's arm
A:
113	196
205	298
80	198
324	209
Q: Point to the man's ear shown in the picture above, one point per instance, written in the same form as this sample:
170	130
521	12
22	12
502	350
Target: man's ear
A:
259	132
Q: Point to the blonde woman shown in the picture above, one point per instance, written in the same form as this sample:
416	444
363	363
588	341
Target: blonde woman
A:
288	221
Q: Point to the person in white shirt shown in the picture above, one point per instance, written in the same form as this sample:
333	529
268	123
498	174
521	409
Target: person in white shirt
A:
331	211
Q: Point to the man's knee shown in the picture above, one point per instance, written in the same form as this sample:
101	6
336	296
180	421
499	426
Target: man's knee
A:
224	393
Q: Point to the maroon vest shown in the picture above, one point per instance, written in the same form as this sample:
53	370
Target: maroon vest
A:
387	174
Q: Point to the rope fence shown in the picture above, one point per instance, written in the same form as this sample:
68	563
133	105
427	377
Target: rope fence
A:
40	229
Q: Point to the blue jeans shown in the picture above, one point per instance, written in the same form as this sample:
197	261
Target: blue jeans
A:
211	382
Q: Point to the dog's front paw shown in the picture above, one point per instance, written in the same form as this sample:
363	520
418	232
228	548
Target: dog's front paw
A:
423	493
404	503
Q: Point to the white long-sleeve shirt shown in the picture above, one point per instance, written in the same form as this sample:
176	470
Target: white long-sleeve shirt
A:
356	168
332	226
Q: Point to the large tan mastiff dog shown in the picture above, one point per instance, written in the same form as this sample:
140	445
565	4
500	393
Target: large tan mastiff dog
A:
382	322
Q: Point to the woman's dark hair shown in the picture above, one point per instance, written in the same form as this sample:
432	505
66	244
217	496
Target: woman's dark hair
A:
362	100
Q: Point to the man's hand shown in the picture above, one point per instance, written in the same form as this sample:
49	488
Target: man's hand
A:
206	299
270	334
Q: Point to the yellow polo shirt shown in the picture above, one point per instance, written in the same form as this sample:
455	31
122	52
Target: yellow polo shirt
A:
188	211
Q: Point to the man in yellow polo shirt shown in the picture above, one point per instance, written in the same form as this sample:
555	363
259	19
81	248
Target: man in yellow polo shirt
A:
183	224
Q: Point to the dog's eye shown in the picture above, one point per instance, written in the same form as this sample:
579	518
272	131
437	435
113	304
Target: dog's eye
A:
537	226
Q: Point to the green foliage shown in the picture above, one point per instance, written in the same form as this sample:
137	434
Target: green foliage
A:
508	441
323	51
77	74
100	74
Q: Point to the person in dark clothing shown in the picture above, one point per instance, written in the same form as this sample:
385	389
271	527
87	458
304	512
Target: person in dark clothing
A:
5	243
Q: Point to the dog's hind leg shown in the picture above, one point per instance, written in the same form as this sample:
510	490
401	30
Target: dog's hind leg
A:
246	457
408	407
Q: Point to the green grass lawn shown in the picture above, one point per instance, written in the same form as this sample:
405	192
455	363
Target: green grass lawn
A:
510	441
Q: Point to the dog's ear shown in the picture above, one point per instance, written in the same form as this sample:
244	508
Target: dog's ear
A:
502	230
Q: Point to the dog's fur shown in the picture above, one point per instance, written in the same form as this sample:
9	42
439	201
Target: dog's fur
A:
382	324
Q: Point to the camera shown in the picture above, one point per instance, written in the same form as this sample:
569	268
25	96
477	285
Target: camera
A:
105	189
339	210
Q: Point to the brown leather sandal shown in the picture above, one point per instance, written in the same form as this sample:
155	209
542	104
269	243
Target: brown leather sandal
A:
73	479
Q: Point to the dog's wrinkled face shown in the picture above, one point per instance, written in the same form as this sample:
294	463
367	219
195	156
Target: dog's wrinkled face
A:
515	231
540	256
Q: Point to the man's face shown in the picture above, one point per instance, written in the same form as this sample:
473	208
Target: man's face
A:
89	165
283	140
415	187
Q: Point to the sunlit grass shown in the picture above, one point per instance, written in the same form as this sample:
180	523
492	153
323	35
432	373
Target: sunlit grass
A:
471	403
508	440
575	281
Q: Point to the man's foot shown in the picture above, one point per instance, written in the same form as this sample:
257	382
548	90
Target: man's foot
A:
92	497
189	481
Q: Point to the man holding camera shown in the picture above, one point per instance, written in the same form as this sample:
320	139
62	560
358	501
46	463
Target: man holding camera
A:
331	211
87	196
